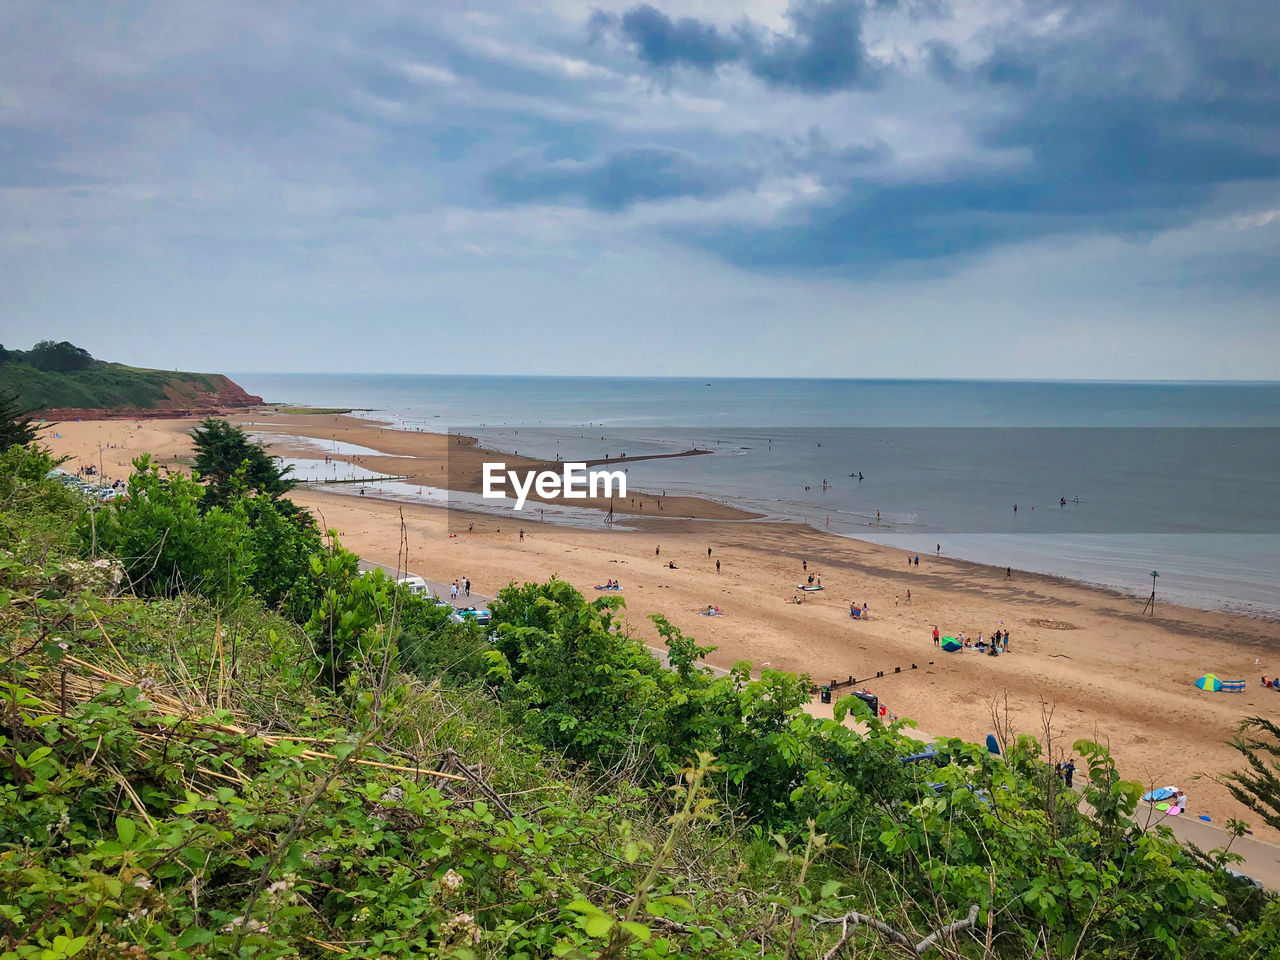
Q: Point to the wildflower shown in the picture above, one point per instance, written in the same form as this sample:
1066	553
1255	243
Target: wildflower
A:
63	645
142	882
146	683
280	886
139	914
452	881
460	927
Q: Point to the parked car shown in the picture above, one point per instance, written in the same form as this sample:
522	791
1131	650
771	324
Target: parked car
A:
463	614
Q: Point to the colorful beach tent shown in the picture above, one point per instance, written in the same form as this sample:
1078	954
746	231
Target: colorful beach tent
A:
951	644
1209	682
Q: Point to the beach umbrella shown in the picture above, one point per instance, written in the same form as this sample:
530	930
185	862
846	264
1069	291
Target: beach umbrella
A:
1209	682
951	644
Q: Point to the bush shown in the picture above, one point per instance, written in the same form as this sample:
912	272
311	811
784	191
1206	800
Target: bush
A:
167	545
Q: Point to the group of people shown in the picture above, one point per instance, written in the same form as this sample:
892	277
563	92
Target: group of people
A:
610	585
858	612
1273	682
462	585
998	644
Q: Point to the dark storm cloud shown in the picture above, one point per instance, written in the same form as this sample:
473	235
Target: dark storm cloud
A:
1127	126
822	52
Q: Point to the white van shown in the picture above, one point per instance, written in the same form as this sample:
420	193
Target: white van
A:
415	585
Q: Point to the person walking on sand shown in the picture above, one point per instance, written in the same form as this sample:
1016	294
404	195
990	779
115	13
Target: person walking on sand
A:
708	553
466	585
1069	771
657	551
453	590
804	564
1008	573
717	566
522	534
908	598
936	641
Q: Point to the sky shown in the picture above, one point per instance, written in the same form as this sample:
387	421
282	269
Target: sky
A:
842	188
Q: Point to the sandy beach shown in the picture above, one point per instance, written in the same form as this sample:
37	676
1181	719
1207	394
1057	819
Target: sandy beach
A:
1085	656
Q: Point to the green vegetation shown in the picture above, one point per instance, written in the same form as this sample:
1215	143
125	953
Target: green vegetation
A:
51	375
1258	785
219	739
15	423
232	463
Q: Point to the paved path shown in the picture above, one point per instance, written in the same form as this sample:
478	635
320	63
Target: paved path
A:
1261	859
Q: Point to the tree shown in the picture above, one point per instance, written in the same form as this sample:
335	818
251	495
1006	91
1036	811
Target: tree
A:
15	423
231	463
59	357
1258	787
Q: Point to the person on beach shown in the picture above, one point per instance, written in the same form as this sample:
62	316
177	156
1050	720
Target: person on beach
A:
453	590
466	585
657	551
708	553
1008	573
939	549
804	564
1069	771
936	641
717	566
908	598
522	534
917	559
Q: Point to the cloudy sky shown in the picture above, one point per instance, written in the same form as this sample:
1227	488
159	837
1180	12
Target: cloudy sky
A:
896	188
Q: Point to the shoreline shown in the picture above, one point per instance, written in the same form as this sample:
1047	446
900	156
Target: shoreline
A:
683	508
1083	653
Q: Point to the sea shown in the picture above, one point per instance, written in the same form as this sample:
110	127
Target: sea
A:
1112	481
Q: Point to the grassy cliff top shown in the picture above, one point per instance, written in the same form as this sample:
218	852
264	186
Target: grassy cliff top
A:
61	375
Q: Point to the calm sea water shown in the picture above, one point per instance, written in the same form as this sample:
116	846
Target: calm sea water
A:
1183	478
